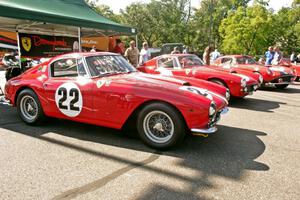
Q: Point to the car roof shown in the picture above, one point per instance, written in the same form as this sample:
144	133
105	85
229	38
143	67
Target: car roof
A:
81	54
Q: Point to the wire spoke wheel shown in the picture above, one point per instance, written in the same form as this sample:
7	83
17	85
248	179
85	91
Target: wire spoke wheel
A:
158	126
29	108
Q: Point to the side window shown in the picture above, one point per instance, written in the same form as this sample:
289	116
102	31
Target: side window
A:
166	63
226	61
69	67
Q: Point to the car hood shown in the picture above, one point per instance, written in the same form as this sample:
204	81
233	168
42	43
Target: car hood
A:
209	71
282	70
254	67
160	83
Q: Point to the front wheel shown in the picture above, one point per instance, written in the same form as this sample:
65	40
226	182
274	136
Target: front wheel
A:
29	107
283	86
161	126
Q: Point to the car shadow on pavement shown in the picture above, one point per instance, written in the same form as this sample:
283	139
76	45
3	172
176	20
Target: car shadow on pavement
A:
255	104
229	153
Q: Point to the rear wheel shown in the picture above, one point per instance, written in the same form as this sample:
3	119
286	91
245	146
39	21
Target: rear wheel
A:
29	107
283	86
161	126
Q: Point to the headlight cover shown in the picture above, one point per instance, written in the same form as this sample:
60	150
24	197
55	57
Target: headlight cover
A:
227	95
212	109
243	82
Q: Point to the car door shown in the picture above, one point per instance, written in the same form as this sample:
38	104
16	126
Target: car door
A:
68	90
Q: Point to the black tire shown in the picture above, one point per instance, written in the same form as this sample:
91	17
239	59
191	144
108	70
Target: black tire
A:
33	115
171	118
283	86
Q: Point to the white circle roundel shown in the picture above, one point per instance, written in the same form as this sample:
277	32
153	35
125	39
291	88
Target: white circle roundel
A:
68	99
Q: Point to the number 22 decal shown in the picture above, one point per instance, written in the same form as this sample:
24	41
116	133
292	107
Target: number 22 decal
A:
64	93
69	99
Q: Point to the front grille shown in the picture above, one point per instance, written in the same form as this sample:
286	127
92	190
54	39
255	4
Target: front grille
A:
251	88
283	78
213	120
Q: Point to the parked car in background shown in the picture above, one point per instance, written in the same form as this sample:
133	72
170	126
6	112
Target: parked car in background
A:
293	65
105	90
278	76
189	65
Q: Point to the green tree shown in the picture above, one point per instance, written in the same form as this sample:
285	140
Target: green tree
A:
247	31
160	21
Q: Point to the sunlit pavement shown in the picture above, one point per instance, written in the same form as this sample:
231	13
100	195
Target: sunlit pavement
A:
254	155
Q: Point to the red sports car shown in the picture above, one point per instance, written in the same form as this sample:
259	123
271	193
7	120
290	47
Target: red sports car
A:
188	65
105	90
277	76
294	66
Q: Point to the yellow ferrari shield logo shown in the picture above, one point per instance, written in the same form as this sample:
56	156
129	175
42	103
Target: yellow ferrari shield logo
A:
26	43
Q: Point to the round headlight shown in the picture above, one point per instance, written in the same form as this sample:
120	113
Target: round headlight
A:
212	109
243	82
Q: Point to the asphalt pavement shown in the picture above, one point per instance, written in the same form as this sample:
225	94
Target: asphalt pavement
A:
254	155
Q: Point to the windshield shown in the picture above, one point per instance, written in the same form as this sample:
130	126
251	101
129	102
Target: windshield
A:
245	60
190	61
108	64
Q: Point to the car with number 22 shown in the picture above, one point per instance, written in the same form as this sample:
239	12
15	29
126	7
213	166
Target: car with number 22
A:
104	89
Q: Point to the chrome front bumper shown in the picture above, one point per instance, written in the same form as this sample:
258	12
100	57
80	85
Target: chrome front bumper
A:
208	131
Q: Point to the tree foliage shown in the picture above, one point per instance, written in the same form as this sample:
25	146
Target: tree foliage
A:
235	26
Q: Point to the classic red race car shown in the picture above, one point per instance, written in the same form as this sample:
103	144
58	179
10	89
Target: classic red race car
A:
105	90
293	65
277	76
189	65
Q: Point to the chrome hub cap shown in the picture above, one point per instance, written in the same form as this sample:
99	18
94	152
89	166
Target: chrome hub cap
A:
158	127
29	108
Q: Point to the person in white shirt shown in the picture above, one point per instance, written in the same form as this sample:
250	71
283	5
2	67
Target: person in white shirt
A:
215	55
145	54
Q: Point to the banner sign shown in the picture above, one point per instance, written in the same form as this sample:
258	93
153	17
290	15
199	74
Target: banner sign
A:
33	45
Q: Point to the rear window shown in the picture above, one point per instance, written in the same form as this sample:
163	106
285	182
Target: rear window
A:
69	67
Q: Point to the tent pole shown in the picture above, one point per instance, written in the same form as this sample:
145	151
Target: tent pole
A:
79	39
136	41
19	48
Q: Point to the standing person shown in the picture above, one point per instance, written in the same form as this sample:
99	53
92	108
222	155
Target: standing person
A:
277	56
132	54
206	55
145	54
175	50
269	56
293	57
185	50
118	48
215	55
